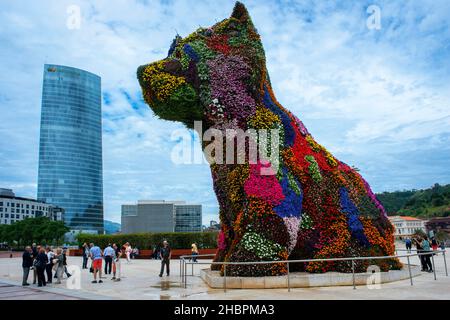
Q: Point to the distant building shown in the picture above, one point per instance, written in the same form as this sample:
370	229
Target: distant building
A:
213	226
161	216
70	149
439	224
13	209
406	226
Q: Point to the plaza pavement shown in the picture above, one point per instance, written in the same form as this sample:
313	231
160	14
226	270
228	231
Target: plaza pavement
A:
141	281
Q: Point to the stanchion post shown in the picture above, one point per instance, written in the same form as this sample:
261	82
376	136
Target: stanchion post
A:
224	278
353	274
409	269
434	266
288	282
184	273
445	263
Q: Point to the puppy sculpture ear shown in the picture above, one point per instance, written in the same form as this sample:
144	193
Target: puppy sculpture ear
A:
240	13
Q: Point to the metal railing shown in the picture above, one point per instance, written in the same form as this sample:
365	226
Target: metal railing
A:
184	264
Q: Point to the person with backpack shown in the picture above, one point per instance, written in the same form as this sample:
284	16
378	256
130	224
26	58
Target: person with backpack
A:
408	245
165	254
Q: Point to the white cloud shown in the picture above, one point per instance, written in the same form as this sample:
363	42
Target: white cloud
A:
378	99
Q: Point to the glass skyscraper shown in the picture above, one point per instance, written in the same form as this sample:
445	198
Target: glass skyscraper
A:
70	150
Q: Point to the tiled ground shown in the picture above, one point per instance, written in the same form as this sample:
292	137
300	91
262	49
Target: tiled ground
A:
141	281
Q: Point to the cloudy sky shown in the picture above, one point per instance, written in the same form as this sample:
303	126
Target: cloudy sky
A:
379	99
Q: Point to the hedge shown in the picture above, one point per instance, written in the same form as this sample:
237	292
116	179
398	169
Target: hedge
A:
177	240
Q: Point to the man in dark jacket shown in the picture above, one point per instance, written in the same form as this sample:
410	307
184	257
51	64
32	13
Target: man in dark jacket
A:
27	263
165	254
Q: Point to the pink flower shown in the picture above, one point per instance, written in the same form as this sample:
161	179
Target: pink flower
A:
265	187
221	243
292	225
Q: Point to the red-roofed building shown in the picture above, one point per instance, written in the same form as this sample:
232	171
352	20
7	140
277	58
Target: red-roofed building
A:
406	226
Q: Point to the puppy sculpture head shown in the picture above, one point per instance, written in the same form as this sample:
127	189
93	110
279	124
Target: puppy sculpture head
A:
211	68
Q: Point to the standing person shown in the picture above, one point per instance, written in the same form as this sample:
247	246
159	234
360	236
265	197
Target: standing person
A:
59	265
85	255
40	263
194	252
419	249
442	245
117	268
108	254
128	251
434	243
35	252
96	256
408	245
27	263
49	265
427	249
64	252
165	254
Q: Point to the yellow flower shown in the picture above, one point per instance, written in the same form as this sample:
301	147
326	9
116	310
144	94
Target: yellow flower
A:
263	119
161	83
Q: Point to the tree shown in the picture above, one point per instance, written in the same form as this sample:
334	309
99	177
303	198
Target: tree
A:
40	230
441	235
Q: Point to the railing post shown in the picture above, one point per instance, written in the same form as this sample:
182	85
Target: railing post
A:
445	263
434	267
409	269
185	276
192	269
224	278
288	282
353	273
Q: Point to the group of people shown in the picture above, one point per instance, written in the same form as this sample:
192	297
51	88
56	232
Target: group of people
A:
111	254
47	264
424	247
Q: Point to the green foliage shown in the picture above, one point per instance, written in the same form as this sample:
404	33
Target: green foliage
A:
40	230
427	203
419	233
441	235
182	106
177	240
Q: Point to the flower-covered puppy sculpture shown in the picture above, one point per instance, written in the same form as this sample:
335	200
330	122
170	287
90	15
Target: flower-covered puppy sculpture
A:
311	205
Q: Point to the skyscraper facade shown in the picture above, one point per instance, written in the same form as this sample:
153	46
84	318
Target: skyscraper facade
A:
70	150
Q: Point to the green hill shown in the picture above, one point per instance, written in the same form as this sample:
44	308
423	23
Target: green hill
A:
426	203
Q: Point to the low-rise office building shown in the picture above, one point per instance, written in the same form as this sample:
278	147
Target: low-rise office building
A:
13	209
161	216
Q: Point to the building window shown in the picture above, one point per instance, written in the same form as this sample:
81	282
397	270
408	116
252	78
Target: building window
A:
12	204
1	203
